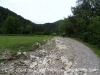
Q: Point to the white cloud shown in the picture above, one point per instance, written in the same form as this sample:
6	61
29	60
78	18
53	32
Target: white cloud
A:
41	11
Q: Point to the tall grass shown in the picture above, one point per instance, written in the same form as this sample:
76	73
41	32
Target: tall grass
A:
13	43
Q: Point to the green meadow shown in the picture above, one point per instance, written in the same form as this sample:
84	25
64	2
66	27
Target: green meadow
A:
23	43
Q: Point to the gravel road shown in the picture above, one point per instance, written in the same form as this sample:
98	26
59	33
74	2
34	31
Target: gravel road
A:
59	56
81	56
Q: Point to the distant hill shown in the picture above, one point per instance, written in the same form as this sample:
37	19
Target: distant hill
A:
4	13
52	27
58	22
47	28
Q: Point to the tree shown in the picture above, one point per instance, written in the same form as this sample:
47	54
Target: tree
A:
12	26
28	29
9	25
94	28
85	22
62	26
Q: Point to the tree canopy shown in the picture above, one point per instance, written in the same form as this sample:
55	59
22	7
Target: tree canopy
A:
85	22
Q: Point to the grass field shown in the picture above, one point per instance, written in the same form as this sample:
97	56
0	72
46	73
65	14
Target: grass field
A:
14	43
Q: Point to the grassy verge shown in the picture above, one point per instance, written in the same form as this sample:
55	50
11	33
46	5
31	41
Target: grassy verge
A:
92	47
24	43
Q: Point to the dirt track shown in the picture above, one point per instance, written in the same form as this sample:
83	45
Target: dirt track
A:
82	57
60	56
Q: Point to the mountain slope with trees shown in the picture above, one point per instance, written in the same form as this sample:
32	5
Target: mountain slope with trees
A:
11	23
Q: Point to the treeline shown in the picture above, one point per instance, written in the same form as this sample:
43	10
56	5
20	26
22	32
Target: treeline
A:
84	23
11	23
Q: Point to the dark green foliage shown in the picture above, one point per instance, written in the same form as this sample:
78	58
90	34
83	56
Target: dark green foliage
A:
12	26
50	28
85	22
46	29
11	23
94	28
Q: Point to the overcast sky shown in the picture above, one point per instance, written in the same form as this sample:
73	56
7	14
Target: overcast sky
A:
40	11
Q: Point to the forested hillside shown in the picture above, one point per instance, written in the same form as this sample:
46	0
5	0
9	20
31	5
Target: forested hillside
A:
84	23
11	23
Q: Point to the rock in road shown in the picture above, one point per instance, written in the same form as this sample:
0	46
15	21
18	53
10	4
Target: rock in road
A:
60	56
